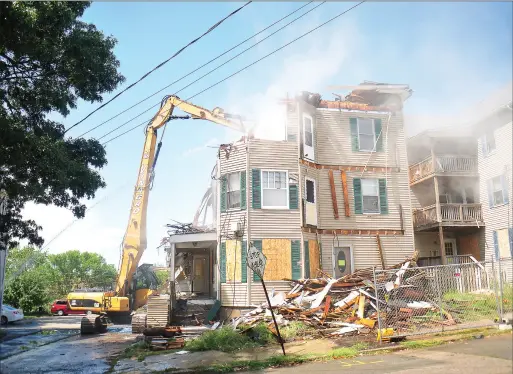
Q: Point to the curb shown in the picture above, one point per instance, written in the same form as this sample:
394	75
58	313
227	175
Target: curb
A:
38	346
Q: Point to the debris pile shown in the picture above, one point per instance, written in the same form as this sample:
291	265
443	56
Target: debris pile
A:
349	305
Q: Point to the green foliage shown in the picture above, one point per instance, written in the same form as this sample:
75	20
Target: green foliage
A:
225	339
470	307
49	59
50	277
162	276
74	269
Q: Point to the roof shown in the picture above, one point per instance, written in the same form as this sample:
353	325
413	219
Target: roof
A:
367	96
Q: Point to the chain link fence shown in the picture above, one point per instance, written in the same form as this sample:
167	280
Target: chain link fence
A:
424	300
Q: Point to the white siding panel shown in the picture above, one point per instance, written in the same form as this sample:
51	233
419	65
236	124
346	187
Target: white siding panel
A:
334	139
234	294
258	294
365	250
274	224
270	154
235	160
498	217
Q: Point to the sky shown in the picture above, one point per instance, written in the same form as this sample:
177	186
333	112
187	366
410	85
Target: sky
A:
453	55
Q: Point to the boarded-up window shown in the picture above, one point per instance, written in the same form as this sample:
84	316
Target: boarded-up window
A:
314	257
279	260
503	242
233	261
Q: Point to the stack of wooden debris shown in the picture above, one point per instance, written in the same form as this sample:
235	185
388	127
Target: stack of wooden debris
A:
349	305
164	338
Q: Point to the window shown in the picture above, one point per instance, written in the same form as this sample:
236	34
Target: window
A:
310	191
274	189
308	131
366	136
497	192
233	191
488	143
502	243
370	195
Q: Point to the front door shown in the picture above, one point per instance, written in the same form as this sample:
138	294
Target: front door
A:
201	274
310	203
343	263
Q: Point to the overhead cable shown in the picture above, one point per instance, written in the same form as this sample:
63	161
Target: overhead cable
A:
253	63
205	64
162	64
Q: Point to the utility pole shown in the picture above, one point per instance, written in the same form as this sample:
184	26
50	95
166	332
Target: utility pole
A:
3	241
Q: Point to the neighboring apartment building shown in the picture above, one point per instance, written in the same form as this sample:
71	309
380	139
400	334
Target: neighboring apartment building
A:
495	153
444	182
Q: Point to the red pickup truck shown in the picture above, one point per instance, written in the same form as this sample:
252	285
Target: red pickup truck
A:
61	308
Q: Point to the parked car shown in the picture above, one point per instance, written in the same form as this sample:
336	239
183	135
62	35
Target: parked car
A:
61	308
10	314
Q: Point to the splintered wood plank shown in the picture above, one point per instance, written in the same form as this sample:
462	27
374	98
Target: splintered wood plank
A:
279	260
333	194
343	176
233	261
315	264
380	250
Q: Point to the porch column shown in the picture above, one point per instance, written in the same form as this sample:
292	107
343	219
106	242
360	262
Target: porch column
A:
439	220
172	254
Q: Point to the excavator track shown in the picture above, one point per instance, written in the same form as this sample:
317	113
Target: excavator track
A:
93	324
138	323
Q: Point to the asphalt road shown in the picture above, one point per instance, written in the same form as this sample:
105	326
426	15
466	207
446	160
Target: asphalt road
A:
488	355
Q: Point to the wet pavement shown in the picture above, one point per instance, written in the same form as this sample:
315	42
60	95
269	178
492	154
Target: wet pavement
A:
34	325
77	354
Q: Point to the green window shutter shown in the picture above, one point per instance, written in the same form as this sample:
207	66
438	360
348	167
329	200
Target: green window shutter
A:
295	254
243	190
377	132
243	261
258	245
357	191
496	245
224	187
510	236
293	196
256	188
353	122
222	263
307	259
383	202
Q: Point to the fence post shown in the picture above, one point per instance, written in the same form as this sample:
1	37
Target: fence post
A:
497	300
439	293
380	332
501	293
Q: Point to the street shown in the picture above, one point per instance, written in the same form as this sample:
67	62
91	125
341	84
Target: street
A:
488	355
59	348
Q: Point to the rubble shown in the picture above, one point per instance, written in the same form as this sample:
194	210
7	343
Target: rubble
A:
348	306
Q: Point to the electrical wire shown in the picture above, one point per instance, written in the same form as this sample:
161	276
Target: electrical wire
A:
195	70
255	62
162	63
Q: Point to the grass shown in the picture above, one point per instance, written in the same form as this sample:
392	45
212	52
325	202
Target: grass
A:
226	339
48	332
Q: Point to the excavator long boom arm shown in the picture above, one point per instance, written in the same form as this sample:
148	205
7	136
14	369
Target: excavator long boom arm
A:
134	242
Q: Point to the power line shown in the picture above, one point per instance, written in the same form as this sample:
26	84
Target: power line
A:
253	63
193	71
162	63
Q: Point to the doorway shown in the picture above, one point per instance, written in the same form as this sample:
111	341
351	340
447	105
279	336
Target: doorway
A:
201	275
342	261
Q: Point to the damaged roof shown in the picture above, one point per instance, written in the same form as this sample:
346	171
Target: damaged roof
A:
367	96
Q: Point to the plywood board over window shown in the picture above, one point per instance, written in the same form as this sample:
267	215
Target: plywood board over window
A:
233	261
315	264
279	262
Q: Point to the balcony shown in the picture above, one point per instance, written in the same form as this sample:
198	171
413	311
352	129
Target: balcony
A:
451	260
443	165
447	215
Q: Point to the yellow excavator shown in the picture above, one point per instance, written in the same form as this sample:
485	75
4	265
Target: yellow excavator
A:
134	285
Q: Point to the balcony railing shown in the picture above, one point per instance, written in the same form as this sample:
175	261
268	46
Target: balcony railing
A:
451	260
449	213
443	164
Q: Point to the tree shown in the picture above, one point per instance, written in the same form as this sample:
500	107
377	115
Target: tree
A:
48	60
30	289
74	269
